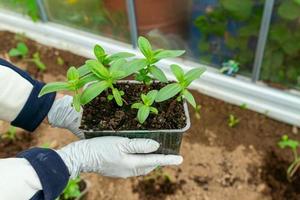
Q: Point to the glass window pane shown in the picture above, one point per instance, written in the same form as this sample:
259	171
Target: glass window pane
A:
99	16
281	66
212	31
13	5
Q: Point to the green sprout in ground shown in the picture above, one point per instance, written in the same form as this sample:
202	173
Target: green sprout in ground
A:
145	107
10	134
233	121
293	145
21	50
198	111
60	61
72	190
244	106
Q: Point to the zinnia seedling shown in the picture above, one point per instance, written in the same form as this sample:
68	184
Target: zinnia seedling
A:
180	87
233	121
151	71
20	50
145	107
293	145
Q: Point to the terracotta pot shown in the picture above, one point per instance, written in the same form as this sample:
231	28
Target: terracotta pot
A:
168	16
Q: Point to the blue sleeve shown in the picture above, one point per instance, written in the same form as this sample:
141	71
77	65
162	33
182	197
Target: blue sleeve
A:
35	109
51	170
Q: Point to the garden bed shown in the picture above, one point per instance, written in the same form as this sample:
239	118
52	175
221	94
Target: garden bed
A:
220	162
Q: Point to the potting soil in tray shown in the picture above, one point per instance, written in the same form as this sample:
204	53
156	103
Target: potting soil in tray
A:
101	114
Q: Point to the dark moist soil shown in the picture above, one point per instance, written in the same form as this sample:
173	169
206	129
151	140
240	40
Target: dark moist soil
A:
157	187
10	148
101	114
82	187
49	55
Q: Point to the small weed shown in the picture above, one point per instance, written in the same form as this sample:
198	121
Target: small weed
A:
20	50
60	61
10	134
244	106
293	145
233	121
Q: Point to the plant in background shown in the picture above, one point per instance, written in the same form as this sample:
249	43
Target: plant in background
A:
72	190
281	56
233	121
293	145
180	87
151	71
36	59
145	107
244	106
10	134
20	50
230	68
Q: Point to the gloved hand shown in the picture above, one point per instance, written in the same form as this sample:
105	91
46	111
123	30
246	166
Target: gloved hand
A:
63	115
115	157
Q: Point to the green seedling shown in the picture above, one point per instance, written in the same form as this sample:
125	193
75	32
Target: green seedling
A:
180	87
151	71
36	59
60	61
293	145
106	59
21	50
72	190
244	106
73	84
46	145
233	121
10	133
198	111
145	107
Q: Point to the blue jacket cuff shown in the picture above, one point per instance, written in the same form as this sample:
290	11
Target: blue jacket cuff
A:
51	170
35	109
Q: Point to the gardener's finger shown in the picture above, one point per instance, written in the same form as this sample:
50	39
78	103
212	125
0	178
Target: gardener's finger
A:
139	145
154	160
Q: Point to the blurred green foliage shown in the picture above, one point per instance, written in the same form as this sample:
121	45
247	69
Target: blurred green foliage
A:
282	54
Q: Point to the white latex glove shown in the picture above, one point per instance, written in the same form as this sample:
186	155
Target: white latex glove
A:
115	157
63	115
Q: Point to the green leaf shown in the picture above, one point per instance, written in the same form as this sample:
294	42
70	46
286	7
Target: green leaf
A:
76	102
117	75
120	55
117	96
145	47
286	142
99	53
37	61
297	1
289	10
117	65
143	114
145	99
158	74
240	9
151	96
154	110
14	52
87	79
134	66
190	98
54	87
83	70
20	50
136	105
168	92
168	54
72	74
178	72
98	69
193	74
93	91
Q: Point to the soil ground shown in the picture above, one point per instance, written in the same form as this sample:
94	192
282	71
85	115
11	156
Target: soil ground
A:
220	163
